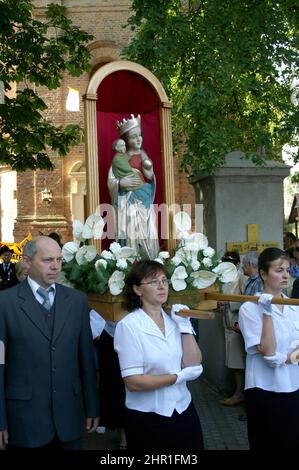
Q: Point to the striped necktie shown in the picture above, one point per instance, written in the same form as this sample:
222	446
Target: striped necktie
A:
44	293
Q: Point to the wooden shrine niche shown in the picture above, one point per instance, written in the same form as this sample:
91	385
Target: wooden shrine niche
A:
116	91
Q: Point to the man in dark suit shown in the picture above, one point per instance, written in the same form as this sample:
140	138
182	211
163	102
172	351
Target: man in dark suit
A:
48	379
8	276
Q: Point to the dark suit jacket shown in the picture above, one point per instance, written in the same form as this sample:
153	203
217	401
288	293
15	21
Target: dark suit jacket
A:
295	290
8	279
46	385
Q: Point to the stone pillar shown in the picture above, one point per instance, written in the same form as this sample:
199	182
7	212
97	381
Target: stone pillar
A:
238	194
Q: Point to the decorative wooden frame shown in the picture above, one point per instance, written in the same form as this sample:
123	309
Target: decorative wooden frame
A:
90	98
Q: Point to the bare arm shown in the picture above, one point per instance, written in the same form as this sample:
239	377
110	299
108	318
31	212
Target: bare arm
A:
138	383
267	346
191	353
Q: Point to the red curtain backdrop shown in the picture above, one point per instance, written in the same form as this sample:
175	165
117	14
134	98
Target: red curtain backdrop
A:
121	94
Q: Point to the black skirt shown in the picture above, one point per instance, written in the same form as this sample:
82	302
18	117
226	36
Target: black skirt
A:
111	385
272	419
153	432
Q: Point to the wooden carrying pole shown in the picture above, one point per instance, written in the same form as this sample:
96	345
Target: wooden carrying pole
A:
231	298
247	298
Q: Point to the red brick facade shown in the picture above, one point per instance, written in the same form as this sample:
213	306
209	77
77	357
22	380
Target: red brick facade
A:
103	19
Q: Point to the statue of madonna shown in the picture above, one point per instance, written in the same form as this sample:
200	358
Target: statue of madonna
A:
131	184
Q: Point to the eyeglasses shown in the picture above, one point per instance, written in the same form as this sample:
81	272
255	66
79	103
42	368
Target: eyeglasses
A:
157	282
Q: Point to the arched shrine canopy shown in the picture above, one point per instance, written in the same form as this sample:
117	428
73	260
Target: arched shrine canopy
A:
117	90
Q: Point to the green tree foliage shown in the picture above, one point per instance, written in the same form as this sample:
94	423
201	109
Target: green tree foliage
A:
228	67
36	53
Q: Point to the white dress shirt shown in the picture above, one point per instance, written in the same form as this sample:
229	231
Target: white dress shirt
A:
34	286
143	349
260	371
97	323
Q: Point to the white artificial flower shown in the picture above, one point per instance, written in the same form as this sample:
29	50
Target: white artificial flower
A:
226	271
195	264
209	252
176	260
203	279
93	227
163	254
115	248
121	263
177	279
116	282
180	253
100	263
85	254
207	262
107	255
183	223
78	230
69	250
197	241
159	260
126	252
187	256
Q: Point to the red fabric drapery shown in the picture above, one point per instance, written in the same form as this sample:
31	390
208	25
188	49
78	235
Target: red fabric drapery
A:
121	94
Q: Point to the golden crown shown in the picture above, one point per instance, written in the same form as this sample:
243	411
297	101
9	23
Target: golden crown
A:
127	124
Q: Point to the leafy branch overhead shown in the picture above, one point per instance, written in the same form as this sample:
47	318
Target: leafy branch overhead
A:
36	53
228	68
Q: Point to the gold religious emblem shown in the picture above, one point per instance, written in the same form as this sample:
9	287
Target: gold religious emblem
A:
253	242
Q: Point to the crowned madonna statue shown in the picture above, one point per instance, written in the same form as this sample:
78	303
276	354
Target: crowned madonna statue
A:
132	185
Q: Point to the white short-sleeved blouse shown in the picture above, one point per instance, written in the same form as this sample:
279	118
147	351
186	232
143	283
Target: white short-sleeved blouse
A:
284	378
143	349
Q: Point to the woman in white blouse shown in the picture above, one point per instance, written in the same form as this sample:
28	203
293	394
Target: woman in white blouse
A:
158	354
271	334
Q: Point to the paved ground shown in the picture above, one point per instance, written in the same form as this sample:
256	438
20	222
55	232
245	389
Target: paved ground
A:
221	428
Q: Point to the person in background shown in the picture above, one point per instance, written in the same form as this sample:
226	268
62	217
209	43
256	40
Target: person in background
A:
289	240
158	354
111	385
295	289
253	286
48	379
8	276
97	325
271	337
291	258
254	283
56	237
234	344
21	271
294	268
290	255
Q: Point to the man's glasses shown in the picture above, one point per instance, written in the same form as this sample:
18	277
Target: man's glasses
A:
157	282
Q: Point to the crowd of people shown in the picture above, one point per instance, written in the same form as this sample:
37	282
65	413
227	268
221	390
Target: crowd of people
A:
67	371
